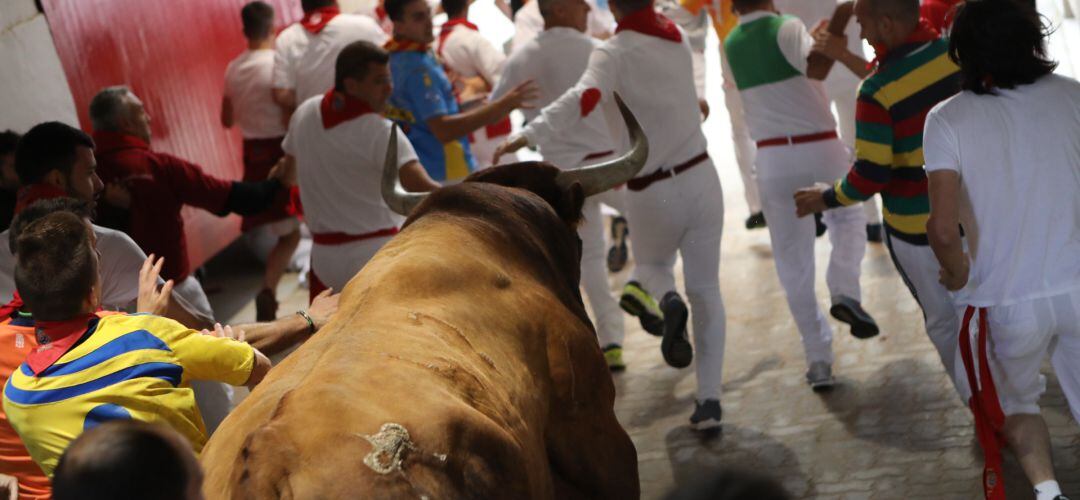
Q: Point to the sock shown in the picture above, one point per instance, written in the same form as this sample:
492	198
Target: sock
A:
1047	490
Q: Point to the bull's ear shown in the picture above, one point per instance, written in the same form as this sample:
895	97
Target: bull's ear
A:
573	200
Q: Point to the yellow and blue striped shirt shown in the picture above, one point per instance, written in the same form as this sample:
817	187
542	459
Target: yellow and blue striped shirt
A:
125	367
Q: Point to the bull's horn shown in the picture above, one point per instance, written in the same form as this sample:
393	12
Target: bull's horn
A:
601	177
395	197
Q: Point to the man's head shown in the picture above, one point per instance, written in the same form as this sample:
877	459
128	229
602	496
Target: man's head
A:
887	22
313	5
622	8
747	6
456	8
412	20
8	142
117	109
258	19
63	156
128	459
362	71
565	14
56	267
41	208
999	43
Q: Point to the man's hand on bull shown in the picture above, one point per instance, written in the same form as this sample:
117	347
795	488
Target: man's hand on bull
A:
152	299
509	146
227	332
323	308
811	200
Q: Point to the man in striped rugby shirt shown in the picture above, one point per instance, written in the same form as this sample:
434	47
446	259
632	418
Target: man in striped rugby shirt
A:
913	74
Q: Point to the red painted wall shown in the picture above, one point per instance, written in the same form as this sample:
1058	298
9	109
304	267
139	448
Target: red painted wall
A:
173	54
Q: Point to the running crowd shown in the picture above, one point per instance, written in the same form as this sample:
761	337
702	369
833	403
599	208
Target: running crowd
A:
109	353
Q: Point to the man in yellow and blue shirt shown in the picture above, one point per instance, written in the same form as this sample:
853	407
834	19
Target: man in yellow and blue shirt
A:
91	368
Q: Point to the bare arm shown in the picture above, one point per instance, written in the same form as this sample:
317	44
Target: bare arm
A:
259	371
835	47
226	112
448	128
276	336
415	179
943	228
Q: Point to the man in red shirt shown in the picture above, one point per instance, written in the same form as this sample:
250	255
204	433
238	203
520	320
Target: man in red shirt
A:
159	185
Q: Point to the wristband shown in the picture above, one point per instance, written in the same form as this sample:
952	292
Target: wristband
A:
310	323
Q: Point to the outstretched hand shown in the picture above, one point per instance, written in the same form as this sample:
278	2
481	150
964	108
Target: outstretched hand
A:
152	299
509	146
226	331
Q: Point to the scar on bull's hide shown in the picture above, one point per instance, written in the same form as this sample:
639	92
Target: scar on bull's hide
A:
389	448
502	281
416	317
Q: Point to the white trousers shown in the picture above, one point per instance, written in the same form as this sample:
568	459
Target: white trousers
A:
1021	335
335	265
781	171
607	316
745	149
844	100
920	271
685	215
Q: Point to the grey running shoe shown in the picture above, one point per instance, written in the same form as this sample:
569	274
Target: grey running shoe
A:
676	348
819	376
706	414
848	310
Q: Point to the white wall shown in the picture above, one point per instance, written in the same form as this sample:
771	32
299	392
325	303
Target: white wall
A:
33	87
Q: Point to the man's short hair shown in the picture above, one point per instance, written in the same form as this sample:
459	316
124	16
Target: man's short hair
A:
55	268
258	19
310	5
902	10
9	140
745	5
46	147
353	62
127	459
629	6
40	209
395	9
999	43
454	8
108	106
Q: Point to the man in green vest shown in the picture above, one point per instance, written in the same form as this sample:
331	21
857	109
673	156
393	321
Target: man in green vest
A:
789	119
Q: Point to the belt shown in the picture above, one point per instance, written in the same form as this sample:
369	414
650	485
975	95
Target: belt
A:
343	238
797	139
597	156
640	183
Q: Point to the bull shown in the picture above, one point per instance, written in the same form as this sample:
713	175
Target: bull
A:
461	363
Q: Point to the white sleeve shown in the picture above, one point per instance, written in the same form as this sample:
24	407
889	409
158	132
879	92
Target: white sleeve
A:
121	261
940	148
489	60
405	151
795	43
284	74
698	59
508	80
599	80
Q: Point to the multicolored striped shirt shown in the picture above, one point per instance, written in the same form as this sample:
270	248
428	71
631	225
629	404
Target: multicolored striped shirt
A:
892	106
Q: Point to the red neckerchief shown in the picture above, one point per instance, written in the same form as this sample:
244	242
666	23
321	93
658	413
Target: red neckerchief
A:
317	19
923	33
56	338
36	192
647	21
398	45
337	107
448	28
107	142
8	309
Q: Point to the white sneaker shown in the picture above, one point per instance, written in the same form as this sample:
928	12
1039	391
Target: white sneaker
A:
819	376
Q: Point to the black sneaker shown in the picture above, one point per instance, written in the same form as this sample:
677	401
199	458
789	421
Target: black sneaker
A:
676	348
706	414
873	233
636	301
819	225
848	310
619	253
756	220
266	306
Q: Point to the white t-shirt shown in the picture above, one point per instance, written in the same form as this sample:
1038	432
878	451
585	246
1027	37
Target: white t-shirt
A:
305	62
528	23
340	170
121	260
469	54
555	60
248	87
1018	156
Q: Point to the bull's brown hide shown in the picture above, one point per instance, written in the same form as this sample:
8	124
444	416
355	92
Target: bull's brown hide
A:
468	331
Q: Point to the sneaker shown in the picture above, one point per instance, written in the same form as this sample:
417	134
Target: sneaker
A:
756	220
819	376
819	225
706	414
619	253
848	310
266	306
636	301
676	348
873	233
613	356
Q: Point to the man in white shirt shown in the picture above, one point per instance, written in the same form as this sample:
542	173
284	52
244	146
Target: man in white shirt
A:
338	141
248	103
1003	159
528	23
797	144
306	51
555	60
675	205
467	55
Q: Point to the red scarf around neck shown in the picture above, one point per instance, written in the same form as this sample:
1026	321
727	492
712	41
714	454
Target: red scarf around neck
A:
400	45
37	192
448	28
56	338
337	107
648	22
317	19
923	33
